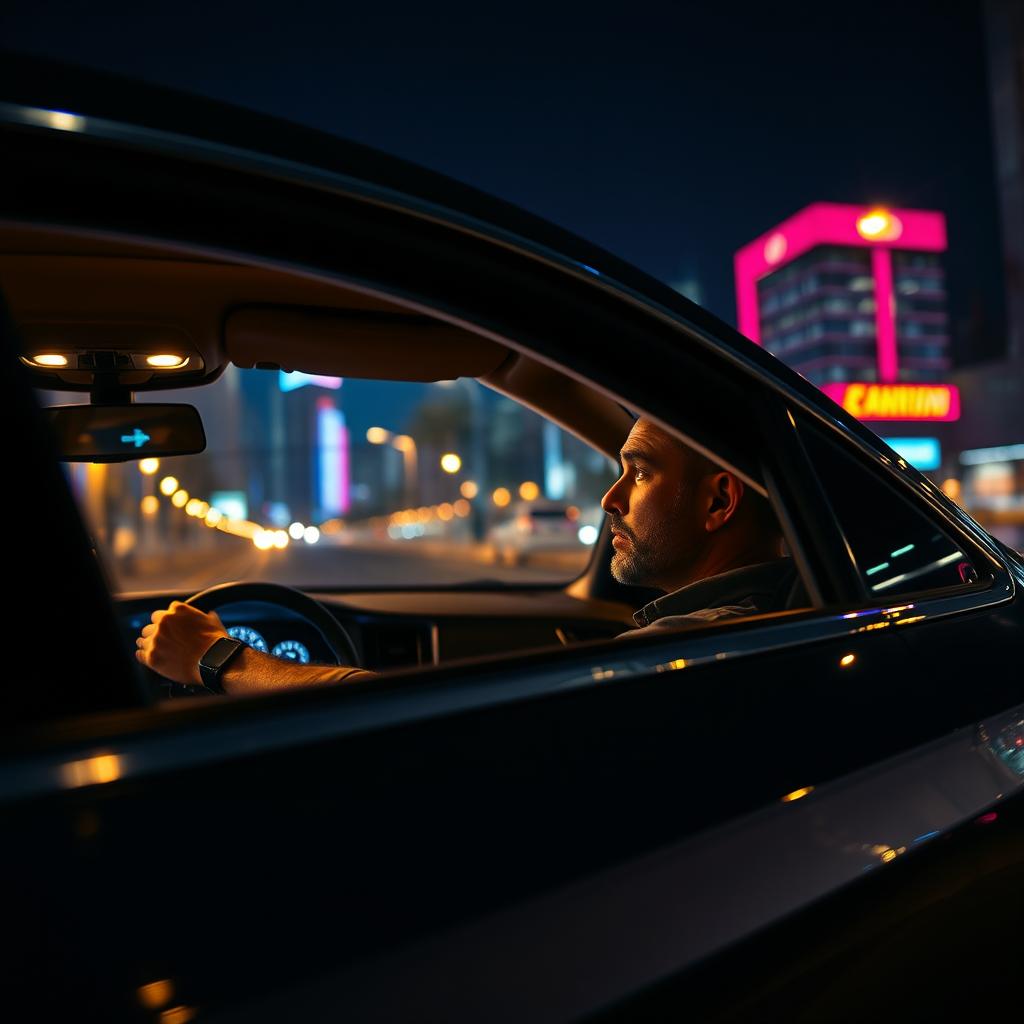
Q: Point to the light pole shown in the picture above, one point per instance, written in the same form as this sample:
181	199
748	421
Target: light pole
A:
407	446
478	450
148	468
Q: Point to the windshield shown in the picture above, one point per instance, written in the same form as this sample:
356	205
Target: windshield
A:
319	482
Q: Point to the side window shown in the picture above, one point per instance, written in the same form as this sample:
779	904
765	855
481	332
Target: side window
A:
897	547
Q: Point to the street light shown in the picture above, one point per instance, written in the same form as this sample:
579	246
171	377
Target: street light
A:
450	462
407	446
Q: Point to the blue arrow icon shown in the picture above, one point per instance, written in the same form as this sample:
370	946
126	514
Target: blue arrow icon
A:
138	438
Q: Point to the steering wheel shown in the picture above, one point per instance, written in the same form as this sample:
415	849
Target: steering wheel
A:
308	609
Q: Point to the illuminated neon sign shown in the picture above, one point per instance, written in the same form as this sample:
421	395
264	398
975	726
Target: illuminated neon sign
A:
333	489
897	401
923	453
292	380
861	227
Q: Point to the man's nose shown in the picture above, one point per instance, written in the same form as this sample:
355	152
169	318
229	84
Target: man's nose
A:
614	501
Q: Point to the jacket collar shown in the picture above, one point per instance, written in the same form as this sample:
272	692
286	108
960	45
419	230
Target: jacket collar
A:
755	584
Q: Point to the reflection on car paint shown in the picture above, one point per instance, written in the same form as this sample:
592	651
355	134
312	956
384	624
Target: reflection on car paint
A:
362	708
1007	744
92	771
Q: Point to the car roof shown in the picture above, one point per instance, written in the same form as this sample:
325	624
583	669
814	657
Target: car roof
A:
143	113
38	82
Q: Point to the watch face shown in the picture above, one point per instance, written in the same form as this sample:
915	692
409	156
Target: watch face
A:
213	661
220	652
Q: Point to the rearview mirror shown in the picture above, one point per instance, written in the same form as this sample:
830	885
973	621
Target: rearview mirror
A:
120	433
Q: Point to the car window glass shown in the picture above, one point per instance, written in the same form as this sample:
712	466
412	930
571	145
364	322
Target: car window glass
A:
898	548
322	482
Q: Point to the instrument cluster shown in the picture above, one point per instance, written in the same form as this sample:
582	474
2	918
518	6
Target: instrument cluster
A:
287	650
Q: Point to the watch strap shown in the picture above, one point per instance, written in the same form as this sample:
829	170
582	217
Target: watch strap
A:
216	659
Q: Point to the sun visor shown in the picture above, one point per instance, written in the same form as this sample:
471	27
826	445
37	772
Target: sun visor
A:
371	345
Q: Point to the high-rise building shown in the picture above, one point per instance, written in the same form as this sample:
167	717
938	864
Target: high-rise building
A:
854	298
847	293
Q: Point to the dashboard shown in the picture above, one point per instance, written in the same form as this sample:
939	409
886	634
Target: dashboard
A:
264	627
390	631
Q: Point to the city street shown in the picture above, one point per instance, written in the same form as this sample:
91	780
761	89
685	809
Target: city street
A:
323	566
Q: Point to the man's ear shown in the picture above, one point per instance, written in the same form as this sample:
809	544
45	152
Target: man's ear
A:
726	493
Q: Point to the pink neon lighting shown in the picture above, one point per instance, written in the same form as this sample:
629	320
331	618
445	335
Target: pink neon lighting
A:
334	487
823	224
885	315
908	402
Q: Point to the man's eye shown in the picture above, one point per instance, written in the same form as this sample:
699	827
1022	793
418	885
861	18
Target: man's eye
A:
639	474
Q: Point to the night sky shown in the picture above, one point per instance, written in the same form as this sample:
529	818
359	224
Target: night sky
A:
670	134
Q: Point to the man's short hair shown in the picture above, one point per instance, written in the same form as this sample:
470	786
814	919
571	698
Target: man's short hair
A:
759	508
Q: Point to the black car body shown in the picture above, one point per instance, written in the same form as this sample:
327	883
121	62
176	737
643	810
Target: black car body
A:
811	814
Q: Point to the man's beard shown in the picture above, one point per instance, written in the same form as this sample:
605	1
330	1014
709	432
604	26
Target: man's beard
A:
638	565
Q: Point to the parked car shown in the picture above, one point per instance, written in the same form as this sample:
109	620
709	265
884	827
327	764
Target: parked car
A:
811	813
537	528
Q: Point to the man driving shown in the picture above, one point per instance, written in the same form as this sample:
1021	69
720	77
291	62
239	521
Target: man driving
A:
680	524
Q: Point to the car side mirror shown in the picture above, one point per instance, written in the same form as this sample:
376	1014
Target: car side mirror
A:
121	433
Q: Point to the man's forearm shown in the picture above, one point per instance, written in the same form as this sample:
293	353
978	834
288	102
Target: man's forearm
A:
252	672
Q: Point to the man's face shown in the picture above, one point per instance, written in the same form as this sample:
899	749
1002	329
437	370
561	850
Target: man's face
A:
653	508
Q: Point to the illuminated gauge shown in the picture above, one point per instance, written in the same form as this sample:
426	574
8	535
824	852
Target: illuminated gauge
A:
291	650
248	636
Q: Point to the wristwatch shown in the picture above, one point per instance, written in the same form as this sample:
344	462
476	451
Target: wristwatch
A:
216	658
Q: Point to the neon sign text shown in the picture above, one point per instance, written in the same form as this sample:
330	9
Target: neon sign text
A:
897	401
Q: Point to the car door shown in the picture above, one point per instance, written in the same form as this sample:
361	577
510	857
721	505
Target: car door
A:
935	918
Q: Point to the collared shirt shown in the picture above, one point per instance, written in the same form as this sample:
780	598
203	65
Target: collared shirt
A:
749	590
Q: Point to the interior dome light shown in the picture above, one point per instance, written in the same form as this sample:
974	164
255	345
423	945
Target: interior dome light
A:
167	362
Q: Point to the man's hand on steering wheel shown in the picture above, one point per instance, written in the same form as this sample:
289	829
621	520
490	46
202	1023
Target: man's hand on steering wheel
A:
176	638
